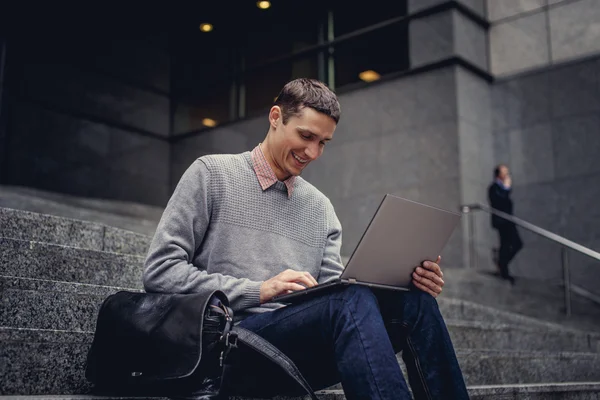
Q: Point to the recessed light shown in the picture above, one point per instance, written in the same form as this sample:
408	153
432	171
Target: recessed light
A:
206	27
209	122
369	76
263	5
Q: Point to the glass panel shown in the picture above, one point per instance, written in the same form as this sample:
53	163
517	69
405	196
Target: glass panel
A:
382	51
207	108
349	16
283	29
263	85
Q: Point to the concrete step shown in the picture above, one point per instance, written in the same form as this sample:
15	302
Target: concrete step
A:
24	225
464	310
127	215
498	336
42	304
543	391
543	300
558	391
493	367
42	361
30	259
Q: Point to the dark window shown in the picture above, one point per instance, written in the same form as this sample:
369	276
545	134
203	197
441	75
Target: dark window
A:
263	84
384	50
207	107
350	16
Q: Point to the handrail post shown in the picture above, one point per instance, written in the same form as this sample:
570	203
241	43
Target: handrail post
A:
566	280
471	262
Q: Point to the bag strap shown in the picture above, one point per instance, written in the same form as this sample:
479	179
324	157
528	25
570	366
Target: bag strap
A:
262	346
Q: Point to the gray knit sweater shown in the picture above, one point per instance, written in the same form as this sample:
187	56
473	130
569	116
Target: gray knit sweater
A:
220	230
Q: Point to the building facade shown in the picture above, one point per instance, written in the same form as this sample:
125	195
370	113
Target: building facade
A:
462	86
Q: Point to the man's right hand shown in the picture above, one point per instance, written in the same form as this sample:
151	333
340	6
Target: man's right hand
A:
287	281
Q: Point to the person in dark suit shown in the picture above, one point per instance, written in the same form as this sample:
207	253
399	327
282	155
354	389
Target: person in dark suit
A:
510	241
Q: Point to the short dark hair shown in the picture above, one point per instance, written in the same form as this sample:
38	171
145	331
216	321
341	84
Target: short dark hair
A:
304	92
497	169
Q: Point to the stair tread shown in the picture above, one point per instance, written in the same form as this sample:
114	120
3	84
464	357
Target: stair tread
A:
474	390
25	225
31	259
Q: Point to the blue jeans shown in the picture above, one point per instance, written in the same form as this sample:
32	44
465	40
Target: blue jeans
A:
352	336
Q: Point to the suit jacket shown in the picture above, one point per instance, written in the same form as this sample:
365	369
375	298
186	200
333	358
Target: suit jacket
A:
499	198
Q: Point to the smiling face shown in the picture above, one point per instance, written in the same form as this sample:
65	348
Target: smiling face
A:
290	147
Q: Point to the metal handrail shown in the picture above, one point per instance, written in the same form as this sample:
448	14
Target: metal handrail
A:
565	243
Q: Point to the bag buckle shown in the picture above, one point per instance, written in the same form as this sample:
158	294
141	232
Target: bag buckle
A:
231	339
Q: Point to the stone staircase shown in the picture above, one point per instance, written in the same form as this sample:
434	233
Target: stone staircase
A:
55	272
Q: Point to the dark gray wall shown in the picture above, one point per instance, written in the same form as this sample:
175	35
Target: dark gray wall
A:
91	121
547	129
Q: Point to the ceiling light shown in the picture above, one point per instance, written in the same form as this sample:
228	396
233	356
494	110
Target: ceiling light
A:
369	76
263	5
206	27
211	123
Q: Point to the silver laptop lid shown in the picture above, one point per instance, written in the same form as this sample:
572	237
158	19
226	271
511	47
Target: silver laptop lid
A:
401	235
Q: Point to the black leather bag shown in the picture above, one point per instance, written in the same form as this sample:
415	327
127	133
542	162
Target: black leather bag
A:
174	345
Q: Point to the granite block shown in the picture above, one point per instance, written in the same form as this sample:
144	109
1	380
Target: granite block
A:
470	41
474	99
527	200
575	89
34	362
361	115
23	225
138	155
94	94
498	336
463	310
519	44
125	242
493	367
579	208
28	259
574	28
419	100
558	391
476	157
37	304
134	188
351	177
577	143
528	100
536	297
83	158
499	106
431	39
509	8
401	158
532	154
438	154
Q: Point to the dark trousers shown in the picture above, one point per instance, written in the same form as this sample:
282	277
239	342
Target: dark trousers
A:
510	245
352	336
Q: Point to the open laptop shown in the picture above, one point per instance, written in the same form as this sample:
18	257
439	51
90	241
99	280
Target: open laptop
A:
401	235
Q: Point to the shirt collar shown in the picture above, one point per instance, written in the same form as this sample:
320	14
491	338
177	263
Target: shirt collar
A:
264	172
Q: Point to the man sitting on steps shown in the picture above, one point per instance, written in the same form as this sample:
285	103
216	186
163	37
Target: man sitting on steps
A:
249	225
